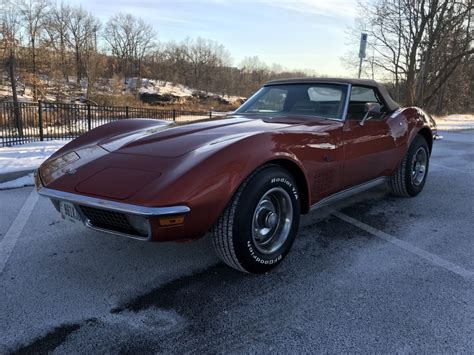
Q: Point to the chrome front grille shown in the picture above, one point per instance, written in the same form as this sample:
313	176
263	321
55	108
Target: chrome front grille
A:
127	220
109	220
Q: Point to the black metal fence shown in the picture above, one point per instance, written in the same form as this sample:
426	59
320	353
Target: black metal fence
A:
28	122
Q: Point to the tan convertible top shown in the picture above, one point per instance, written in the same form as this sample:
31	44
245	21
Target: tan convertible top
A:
390	103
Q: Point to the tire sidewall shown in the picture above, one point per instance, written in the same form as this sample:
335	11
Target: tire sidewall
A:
248	255
418	142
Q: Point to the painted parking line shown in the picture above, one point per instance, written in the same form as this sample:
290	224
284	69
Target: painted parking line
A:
9	240
449	168
432	258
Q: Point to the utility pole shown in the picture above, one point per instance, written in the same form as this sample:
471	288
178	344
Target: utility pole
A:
362	48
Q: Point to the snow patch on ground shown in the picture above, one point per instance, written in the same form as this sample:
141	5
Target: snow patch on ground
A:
178	90
27	156
71	91
161	87
23	181
454	122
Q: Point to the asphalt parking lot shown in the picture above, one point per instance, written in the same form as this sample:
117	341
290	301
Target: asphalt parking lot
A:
372	274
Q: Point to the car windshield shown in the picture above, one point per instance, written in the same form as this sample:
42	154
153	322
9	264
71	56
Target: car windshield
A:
322	100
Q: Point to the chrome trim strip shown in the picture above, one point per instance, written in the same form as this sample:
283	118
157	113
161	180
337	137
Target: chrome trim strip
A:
349	192
88	224
113	205
86	221
348	99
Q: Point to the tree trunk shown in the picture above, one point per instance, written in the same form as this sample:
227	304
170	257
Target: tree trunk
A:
63	59
16	106
138	84
33	55
78	66
439	103
410	89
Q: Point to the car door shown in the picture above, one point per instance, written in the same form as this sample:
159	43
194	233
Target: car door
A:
325	157
321	138
368	148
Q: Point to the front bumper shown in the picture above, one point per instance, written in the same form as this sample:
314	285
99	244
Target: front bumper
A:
132	221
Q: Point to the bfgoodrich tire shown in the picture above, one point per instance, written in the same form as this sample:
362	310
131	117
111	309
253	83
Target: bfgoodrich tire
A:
259	225
410	177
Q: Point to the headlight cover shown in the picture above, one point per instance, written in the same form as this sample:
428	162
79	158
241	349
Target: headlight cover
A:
52	169
57	167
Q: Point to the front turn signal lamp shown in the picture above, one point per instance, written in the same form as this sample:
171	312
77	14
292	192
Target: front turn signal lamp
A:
168	221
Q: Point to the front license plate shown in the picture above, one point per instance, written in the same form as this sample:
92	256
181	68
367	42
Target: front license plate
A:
68	211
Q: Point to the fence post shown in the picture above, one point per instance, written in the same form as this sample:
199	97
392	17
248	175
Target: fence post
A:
89	122
126	111
40	121
210	114
174	115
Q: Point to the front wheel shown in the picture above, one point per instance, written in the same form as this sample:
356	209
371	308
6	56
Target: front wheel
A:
259	225
410	177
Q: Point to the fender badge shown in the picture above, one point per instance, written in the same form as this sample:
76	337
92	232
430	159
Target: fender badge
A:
71	171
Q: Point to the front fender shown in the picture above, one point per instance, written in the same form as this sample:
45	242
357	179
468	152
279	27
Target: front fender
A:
108	130
206	179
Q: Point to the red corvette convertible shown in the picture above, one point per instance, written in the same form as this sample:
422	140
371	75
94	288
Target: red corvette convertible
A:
293	146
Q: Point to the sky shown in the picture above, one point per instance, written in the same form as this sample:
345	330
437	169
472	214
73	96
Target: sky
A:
298	34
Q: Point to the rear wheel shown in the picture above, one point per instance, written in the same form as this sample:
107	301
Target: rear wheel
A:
410	177
259	225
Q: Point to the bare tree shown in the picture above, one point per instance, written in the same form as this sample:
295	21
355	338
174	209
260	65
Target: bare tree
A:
205	57
447	47
32	12
419	42
255	73
65	37
56	24
130	39
9	29
172	62
93	65
82	32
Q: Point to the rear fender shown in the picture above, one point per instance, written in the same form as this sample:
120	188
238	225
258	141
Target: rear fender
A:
421	123
417	122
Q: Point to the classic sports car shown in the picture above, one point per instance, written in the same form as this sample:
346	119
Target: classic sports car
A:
293	146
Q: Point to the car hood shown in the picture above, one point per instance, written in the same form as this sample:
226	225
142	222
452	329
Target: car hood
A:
176	139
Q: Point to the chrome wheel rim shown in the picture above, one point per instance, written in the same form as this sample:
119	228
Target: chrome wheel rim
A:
419	165
272	219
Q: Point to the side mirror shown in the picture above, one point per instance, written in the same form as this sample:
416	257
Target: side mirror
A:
371	109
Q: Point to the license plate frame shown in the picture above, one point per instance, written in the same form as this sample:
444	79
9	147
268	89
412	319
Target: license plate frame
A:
69	212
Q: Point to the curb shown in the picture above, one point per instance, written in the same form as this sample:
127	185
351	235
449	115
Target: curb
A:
14	175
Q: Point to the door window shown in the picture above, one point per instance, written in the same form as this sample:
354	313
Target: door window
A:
360	95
